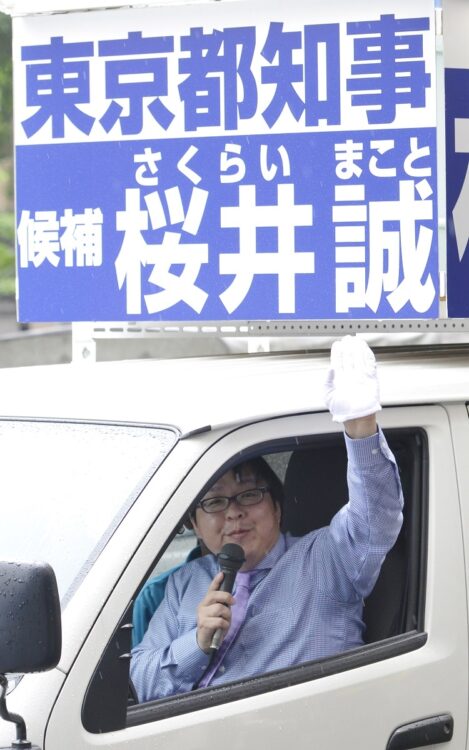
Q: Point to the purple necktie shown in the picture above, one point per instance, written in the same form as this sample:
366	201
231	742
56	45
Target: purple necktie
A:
238	613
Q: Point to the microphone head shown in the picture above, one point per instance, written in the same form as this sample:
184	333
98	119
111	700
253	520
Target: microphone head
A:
231	557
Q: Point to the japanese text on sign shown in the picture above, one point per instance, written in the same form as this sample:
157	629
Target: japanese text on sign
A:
212	73
229	172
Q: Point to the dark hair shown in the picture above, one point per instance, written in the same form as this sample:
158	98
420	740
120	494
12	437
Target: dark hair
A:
263	471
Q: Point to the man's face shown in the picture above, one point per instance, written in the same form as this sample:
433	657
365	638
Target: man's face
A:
255	527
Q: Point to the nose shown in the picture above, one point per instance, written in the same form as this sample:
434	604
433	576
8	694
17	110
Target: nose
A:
235	510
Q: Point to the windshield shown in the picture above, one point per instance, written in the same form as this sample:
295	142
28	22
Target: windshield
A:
66	486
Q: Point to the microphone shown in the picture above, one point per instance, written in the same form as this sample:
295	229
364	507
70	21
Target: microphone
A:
230	558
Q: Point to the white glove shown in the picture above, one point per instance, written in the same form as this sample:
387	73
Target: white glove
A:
351	388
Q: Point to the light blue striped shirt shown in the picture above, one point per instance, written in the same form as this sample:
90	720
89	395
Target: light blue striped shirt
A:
307	595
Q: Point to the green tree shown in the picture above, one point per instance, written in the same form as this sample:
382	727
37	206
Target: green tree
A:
7	242
6	95
7	254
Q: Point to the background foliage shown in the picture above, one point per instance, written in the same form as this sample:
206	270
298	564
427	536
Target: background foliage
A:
6	96
7	244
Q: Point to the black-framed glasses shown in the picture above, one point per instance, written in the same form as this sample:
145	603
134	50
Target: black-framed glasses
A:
245	498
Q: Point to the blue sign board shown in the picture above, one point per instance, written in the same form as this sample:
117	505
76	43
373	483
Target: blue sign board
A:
457	189
244	163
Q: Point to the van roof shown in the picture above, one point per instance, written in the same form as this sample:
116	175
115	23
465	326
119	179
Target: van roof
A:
191	393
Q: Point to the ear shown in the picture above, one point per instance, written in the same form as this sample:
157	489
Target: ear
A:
194	525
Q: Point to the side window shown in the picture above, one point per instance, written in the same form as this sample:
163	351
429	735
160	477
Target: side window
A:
313	474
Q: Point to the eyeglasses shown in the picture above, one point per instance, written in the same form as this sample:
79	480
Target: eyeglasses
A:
246	498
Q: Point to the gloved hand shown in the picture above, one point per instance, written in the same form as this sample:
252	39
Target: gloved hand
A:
351	388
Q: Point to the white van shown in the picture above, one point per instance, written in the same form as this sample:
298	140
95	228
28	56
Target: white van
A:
99	465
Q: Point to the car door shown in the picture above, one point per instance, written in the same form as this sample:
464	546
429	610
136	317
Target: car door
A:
356	700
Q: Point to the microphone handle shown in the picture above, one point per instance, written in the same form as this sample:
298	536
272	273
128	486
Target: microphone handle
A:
228	580
226	585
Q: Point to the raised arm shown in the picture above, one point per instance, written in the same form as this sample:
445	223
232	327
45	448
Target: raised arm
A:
362	533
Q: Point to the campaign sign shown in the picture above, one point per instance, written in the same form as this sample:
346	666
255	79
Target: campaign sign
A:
457	190
227	161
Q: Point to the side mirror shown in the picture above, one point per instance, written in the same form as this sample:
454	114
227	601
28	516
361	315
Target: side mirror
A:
30	622
30	629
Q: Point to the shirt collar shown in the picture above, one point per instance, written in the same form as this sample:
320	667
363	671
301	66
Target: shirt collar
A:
267	562
274	555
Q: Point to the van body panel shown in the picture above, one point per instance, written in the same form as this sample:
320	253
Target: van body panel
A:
356	708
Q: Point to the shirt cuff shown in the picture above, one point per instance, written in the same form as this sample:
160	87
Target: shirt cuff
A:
189	657
369	450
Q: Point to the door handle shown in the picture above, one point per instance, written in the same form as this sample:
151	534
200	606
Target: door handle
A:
430	731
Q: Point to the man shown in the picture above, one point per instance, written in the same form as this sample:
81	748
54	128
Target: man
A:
303	597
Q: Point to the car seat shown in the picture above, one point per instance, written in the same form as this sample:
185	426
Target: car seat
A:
315	489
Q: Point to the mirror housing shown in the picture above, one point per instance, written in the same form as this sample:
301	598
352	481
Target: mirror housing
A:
30	621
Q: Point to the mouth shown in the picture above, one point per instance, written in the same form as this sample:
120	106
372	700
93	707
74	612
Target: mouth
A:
237	534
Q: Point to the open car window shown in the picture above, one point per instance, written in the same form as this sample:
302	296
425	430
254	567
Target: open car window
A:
313	471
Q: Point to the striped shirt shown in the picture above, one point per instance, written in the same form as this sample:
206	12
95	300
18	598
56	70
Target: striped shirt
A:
306	596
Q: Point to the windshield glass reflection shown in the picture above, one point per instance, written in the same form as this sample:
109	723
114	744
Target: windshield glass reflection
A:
66	486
